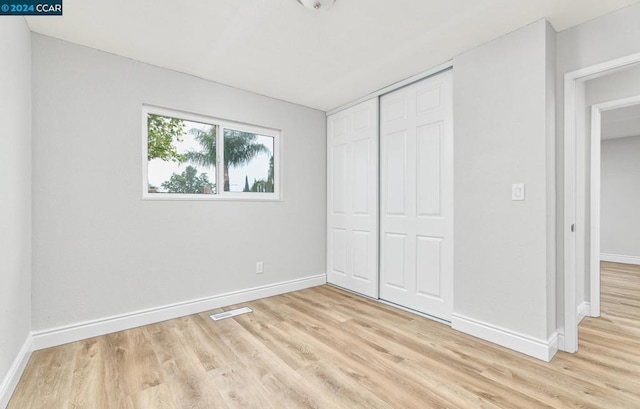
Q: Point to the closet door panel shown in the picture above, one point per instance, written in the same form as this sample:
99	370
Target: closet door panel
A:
352	202
416	222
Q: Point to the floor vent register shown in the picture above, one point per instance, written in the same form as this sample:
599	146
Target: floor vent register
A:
228	314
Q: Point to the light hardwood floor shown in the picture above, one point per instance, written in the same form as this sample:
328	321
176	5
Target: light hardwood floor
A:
325	348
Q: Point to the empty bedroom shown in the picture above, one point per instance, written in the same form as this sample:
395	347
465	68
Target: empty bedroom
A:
319	204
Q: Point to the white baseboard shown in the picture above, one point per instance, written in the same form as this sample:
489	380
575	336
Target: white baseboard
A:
10	381
76	332
537	348
584	310
619	258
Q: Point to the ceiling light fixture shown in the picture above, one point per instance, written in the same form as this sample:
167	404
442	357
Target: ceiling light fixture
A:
317	4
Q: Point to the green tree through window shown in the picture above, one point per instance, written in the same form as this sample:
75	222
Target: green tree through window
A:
182	154
189	182
161	134
239	149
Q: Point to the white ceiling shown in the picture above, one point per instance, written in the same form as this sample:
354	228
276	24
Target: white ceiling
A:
320	59
621	122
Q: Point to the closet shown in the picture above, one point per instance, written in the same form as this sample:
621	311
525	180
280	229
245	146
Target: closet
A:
390	215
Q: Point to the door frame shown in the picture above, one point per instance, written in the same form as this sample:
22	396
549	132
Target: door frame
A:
595	168
575	180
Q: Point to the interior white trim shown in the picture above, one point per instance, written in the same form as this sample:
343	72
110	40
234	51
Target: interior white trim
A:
594	220
88	329
594	217
415	78
537	348
619	258
12	377
573	98
584	310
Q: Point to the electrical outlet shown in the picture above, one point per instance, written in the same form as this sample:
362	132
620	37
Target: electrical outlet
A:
259	267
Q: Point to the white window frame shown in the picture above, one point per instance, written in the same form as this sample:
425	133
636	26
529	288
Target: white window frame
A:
222	124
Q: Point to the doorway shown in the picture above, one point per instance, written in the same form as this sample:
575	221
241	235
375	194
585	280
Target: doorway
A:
611	121
576	228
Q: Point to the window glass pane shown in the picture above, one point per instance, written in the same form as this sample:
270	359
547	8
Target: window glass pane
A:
248	162
181	156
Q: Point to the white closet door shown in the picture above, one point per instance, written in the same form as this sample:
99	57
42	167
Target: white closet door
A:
352	164
416	223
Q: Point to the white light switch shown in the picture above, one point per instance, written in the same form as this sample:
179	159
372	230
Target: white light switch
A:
517	191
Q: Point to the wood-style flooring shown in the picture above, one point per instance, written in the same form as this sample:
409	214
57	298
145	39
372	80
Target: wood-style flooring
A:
326	348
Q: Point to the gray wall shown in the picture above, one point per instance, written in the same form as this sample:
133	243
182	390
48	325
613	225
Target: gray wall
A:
15	188
620	196
612	36
504	261
99	250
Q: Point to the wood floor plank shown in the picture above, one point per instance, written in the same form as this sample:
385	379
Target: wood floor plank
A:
342	389
52	377
327	348
133	365
279	379
88	383
157	397
239	389
468	372
377	372
195	331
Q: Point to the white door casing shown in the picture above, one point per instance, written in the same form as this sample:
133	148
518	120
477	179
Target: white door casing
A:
416	191
352	198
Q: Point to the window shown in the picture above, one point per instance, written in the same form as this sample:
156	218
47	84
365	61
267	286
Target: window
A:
189	156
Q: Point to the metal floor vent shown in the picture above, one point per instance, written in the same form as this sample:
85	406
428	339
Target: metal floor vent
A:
229	314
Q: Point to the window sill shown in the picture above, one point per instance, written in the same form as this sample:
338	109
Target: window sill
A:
244	197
